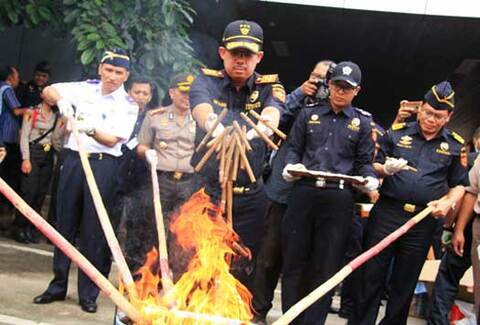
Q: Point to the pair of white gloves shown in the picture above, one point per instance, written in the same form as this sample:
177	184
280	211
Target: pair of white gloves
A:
251	134
370	186
66	109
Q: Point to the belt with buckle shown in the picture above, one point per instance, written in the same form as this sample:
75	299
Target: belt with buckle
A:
407	207
93	155
42	147
176	175
326	184
245	189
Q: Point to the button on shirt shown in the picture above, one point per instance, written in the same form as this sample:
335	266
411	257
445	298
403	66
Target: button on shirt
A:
438	163
341	142
9	123
173	141
114	113
220	93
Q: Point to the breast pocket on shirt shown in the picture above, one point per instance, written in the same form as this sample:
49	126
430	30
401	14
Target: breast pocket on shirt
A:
164	132
315	134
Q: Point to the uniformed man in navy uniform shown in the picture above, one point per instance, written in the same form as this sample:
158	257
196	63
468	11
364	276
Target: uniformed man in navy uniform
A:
105	116
440	158
334	137
240	89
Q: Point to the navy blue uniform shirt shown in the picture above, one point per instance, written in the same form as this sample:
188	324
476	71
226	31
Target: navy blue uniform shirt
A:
341	142
9	123
441	163
215	88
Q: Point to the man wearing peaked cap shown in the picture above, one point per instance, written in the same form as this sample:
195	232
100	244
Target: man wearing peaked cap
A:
238	88
440	160
166	139
105	116
335	137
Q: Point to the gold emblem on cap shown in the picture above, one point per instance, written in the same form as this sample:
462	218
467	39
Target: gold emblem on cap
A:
244	29
190	78
254	96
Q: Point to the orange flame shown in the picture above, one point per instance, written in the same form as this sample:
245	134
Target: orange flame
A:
207	288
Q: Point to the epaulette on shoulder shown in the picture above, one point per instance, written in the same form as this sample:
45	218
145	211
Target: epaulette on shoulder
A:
28	114
398	126
156	111
363	112
93	81
267	79
212	72
458	137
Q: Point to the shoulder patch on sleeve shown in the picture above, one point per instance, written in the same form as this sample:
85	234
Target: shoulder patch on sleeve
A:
212	72
458	137
363	112
267	79
156	111
398	126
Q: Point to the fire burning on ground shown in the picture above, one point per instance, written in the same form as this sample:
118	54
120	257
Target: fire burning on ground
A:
206	293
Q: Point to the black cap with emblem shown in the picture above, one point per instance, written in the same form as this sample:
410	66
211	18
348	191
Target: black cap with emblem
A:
349	72
441	96
116	57
243	34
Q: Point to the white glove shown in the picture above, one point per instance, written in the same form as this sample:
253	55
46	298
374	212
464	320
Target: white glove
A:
86	127
287	176
151	156
65	107
252	134
212	117
370	186
394	165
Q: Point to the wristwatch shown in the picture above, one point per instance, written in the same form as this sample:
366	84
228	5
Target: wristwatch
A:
91	132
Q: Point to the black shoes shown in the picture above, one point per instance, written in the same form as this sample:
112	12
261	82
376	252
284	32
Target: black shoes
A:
88	306
46	298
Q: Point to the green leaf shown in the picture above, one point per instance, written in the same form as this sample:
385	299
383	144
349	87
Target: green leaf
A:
93	37
13	17
87	56
71	16
83	45
99	45
69	2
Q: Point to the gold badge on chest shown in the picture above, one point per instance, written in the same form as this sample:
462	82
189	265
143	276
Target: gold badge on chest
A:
405	142
444	149
314	119
354	124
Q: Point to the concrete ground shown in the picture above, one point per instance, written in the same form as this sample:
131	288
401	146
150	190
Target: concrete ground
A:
25	271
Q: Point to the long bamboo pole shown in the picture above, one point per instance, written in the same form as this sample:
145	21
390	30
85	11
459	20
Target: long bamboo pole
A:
103	218
331	283
71	252
167	281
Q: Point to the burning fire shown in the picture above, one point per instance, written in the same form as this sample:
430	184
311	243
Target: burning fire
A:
206	293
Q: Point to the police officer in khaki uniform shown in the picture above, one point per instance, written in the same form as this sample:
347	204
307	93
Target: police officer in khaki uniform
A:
170	131
36	139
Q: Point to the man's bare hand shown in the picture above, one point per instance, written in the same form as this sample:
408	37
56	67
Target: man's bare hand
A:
458	242
404	112
309	87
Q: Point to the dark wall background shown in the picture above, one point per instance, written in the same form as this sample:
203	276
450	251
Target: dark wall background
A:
401	55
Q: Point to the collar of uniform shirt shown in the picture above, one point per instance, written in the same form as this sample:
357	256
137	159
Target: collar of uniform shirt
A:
227	81
348	111
119	93
416	129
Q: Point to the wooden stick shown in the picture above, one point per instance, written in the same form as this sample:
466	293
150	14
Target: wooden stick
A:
323	289
103	217
228	159
236	161
209	152
229	186
71	252
221	167
259	132
214	126
243	135
167	281
243	157
268	125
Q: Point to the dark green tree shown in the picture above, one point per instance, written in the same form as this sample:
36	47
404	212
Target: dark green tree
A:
155	32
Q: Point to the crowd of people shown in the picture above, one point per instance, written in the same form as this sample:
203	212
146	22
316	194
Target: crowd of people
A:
300	229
